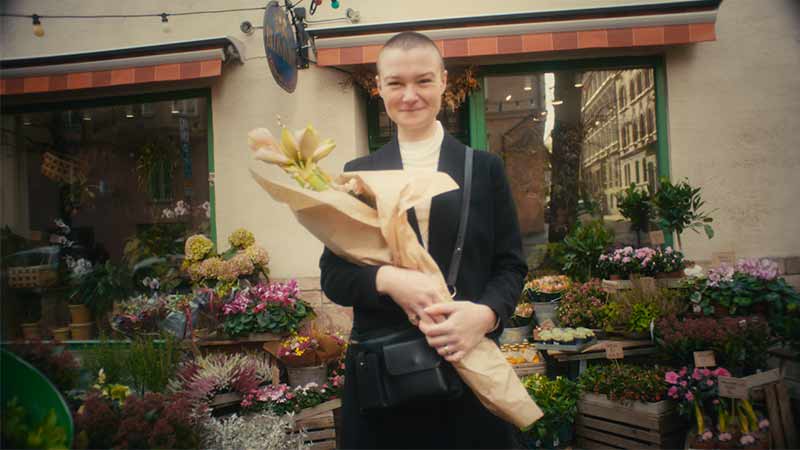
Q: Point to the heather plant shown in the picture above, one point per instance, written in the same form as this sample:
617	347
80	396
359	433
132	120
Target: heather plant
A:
625	382
582	305
260	430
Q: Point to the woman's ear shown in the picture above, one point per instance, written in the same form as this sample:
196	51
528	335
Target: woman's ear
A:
444	80
378	84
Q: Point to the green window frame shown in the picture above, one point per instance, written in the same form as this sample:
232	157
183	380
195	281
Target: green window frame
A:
477	125
134	99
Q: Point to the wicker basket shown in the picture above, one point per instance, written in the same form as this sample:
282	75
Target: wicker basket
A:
32	276
61	169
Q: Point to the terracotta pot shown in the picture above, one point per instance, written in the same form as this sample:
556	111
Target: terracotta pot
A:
30	331
80	313
60	334
81	331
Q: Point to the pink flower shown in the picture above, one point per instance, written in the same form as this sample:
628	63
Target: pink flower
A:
626	259
721	372
747	439
671	377
696	374
682	372
707	435
673	392
689	396
709	382
683	383
764	424
289	396
706	372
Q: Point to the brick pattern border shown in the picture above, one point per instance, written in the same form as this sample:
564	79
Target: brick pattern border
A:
540	42
106	78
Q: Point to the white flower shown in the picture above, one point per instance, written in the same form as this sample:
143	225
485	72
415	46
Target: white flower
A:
693	272
64	227
181	211
81	267
154	284
167	214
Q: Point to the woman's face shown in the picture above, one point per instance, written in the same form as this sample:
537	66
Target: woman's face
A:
411	83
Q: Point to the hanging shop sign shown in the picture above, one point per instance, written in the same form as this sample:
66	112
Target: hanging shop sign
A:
280	46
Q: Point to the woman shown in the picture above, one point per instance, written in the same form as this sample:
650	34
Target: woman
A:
411	80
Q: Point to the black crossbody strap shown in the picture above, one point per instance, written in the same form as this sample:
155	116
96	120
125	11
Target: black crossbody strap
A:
455	261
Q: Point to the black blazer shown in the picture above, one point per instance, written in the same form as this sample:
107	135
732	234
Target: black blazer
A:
492	266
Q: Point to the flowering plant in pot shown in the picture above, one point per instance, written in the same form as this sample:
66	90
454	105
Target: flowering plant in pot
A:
558	399
644	261
583	305
717	422
266	308
139	314
625	382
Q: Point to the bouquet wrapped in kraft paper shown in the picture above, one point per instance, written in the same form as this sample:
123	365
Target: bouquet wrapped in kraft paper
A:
361	216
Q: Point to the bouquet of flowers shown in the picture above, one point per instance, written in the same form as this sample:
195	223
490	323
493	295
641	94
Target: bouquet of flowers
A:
361	216
311	349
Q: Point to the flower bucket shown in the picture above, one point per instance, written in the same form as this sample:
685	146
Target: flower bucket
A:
80	314
30	331
301	376
60	334
545	311
81	331
516	335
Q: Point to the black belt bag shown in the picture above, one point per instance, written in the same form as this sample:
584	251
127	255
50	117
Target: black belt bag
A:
398	367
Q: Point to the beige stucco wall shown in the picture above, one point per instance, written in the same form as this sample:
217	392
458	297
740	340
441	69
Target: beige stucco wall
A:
733	109
734	116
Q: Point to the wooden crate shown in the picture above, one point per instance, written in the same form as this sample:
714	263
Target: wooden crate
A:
602	423
319	424
32	276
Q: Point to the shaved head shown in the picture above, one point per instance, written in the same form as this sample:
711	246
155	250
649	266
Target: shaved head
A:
409	40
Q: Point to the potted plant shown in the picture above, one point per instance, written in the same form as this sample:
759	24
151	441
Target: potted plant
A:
265	308
307	355
98	290
544	293
520	325
635	205
583	247
558	400
678	208
583	306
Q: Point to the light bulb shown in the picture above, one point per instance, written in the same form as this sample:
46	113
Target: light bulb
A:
508	97
165	27
38	29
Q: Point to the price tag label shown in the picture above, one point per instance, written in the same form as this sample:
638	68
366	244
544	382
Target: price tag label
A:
733	388
719	258
614	350
705	359
656	237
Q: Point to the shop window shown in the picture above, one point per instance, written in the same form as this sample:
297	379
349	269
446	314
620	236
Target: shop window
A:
569	152
123	183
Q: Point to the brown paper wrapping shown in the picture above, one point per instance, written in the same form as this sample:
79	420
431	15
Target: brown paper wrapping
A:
382	235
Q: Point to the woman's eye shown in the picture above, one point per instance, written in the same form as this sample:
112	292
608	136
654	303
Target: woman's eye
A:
425	81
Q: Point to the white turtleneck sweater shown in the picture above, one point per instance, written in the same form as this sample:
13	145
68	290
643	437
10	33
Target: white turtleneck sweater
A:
421	157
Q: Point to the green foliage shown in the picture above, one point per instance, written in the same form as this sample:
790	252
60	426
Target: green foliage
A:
274	318
678	207
583	247
625	382
99	288
19	432
558	400
145	364
634	204
635	309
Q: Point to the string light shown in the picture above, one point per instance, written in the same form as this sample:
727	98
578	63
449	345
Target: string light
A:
335	4
165	23
38	29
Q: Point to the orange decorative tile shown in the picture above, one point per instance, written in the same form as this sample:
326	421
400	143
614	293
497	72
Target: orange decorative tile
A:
165	72
15	86
328	57
79	80
36	84
482	46
352	55
542	42
2	86
567	40
371	53
211	68
593	39
648	36
101	78
58	82
146	74
454	48
509	44
676	34
191	70
620	37
700	32
440	44
122	76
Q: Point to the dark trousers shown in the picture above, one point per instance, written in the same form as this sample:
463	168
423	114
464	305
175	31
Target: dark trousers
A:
438	423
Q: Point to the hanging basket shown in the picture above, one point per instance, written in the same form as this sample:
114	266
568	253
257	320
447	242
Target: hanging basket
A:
32	276
61	169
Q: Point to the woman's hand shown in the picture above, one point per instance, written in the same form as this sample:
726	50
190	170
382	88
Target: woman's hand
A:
465	325
411	290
